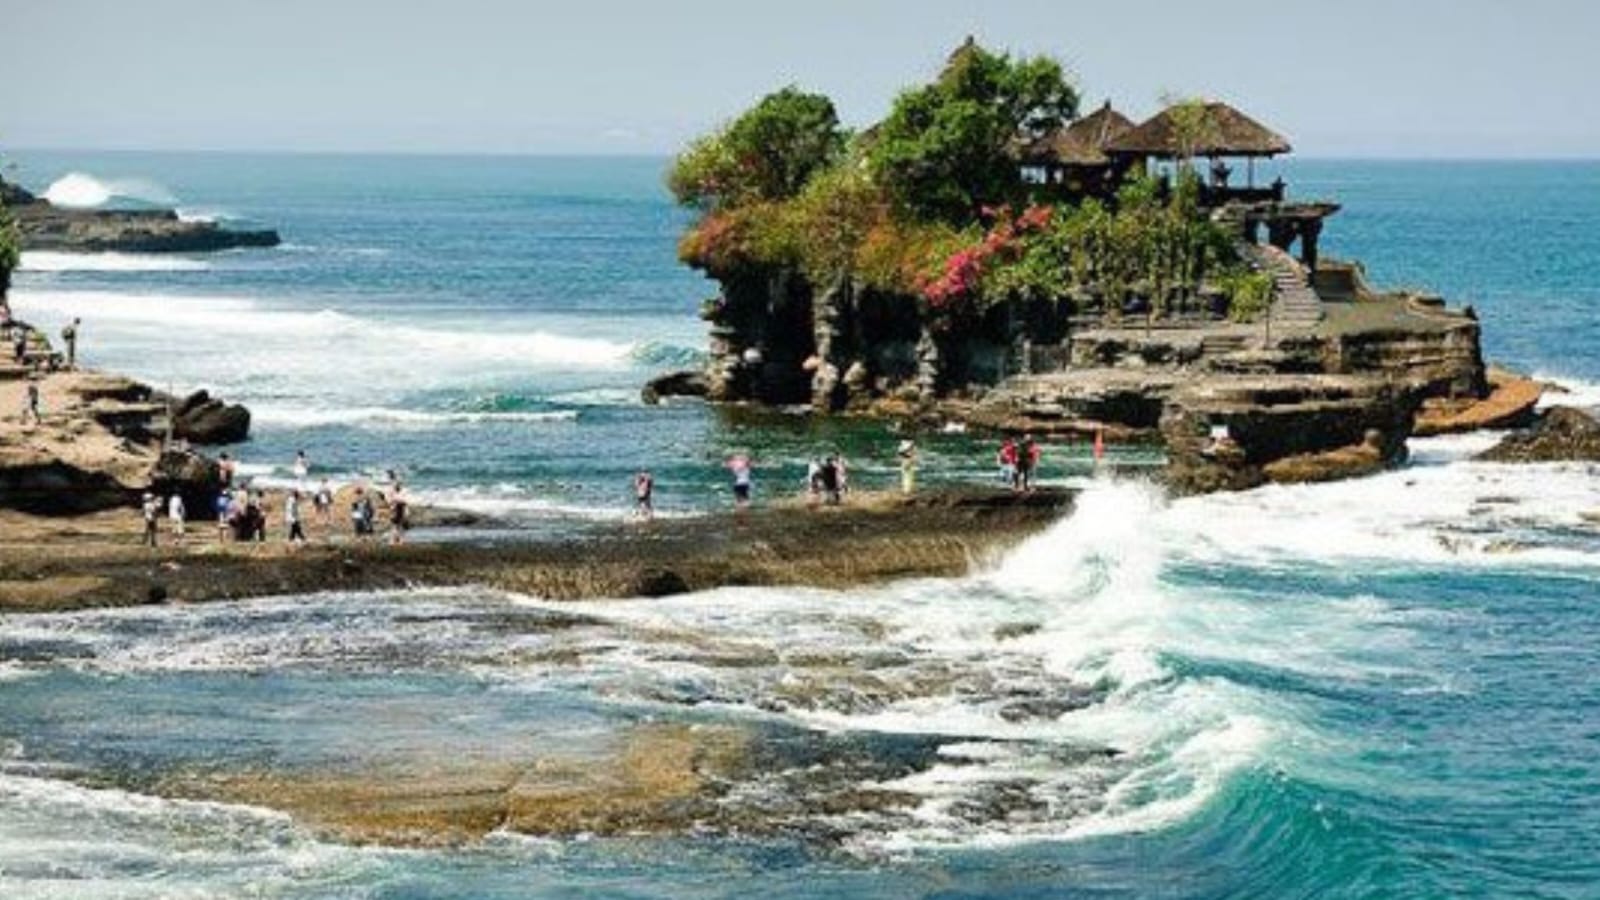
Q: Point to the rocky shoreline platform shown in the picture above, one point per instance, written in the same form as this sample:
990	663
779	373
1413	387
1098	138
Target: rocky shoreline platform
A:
42	225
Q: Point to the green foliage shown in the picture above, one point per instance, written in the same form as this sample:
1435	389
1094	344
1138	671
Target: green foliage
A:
768	153
10	248
1249	294
941	153
1150	244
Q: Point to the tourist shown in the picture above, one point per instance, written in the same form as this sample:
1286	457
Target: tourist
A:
226	468
69	336
358	524
1028	454
19	343
322	503
399	514
1099	445
1007	458
30	407
743	480
908	466
830	480
291	518
813	482
302	468
841	474
255	511
644	488
151	509
176	513
221	508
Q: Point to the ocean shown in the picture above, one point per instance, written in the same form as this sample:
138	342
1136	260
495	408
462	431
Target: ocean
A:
1375	688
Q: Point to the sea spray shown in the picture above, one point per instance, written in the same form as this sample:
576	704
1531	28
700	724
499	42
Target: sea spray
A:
80	190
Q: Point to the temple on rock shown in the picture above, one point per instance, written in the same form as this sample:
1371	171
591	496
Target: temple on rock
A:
1094	274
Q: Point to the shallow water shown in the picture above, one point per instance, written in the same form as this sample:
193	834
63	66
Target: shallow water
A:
1375	688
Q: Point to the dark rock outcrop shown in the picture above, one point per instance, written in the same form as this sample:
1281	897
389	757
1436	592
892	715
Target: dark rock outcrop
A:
1232	434
1562	434
45	226
58	487
196	478
682	383
202	419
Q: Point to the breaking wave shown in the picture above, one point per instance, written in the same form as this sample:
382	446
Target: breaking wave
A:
80	190
52	261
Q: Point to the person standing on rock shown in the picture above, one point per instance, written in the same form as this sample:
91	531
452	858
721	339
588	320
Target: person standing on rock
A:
743	481
644	489
399	514
907	455
223	507
291	518
151	509
1007	459
1027	462
69	336
30	407
302	468
175	516
322	503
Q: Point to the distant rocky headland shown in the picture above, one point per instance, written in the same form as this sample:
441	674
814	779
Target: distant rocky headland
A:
42	225
989	255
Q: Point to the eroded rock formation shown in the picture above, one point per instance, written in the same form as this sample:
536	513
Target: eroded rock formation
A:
1562	434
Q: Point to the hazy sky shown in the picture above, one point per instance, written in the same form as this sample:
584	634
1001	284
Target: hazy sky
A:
1354	77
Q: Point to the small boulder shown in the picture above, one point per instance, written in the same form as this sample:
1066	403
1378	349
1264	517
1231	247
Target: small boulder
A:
202	419
682	383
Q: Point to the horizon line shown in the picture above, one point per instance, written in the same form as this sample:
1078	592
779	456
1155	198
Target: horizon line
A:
662	154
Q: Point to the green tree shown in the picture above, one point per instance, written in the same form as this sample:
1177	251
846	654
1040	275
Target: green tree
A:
942	151
768	153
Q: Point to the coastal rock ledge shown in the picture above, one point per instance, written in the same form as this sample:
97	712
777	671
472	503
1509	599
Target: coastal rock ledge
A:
44	226
1561	434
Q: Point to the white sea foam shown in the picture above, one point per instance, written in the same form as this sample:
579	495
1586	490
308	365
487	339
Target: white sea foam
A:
391	419
251	348
1572	391
52	261
80	190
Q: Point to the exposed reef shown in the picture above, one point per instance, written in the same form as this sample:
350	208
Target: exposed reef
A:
42	225
1561	434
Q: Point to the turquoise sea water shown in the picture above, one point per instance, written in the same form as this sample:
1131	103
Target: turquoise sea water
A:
1381	688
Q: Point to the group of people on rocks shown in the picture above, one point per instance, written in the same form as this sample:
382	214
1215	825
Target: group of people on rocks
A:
242	510
18	335
1019	462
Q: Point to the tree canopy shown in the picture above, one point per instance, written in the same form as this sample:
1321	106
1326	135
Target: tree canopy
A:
768	153
942	151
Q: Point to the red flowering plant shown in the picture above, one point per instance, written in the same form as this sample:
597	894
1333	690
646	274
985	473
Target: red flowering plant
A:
960	280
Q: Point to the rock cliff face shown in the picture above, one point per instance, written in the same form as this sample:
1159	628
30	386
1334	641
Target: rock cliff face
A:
1246	431
777	338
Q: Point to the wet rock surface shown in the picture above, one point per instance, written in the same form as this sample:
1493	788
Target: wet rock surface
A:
1232	434
1561	434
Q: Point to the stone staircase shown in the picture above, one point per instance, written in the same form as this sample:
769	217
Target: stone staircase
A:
1295	306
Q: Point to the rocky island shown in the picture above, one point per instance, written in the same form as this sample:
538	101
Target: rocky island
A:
42	225
986	254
